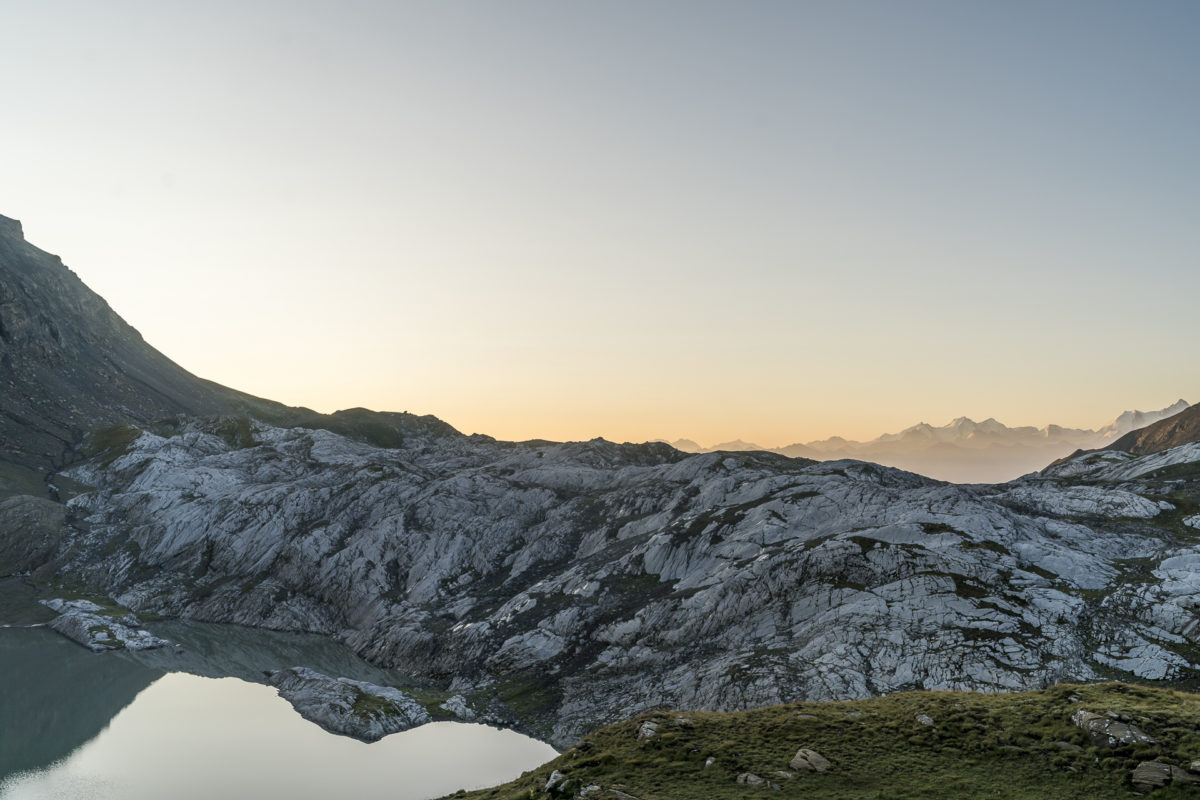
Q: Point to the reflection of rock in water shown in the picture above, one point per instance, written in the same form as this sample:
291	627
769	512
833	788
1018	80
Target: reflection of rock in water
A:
233	651
56	696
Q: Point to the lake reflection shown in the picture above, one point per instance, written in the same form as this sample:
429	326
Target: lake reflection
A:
185	736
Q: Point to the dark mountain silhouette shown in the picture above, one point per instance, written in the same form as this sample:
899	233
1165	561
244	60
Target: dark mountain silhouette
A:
69	364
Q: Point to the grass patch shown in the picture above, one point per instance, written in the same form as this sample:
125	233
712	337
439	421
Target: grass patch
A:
980	746
106	445
371	706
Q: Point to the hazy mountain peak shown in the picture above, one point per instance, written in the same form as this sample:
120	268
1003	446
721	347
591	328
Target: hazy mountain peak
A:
1132	420
963	450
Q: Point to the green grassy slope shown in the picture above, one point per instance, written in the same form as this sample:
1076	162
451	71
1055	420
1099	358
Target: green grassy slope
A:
1020	745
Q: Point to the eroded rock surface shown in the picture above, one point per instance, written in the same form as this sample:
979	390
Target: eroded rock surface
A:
354	708
84	622
565	585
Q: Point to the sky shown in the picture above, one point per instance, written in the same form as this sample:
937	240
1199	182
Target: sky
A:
775	221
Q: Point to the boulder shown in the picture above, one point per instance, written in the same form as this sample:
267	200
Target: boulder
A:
809	761
750	779
1108	732
555	781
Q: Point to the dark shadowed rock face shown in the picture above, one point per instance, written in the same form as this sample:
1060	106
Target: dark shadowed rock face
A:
68	363
1183	428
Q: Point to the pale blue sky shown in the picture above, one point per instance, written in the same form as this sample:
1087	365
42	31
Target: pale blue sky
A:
772	220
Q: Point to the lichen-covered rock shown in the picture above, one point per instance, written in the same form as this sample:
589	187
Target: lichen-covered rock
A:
1106	731
353	708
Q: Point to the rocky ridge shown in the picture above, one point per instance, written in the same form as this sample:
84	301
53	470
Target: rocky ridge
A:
557	586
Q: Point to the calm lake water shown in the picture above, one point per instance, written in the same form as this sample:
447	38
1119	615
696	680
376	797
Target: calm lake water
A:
76	725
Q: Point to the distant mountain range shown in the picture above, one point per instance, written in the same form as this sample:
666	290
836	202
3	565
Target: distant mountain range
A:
964	451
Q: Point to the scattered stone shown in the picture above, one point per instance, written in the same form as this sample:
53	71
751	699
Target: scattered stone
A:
1106	731
1074	748
1075	698
1194	766
708	762
684	721
648	730
809	760
589	790
925	720
353	708
750	779
854	714
787	776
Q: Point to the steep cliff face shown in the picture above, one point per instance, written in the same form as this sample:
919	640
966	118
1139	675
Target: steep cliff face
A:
580	583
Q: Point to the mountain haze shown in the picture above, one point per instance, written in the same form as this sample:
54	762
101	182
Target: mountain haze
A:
963	451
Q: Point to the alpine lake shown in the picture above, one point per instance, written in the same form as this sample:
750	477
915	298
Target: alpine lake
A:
198	721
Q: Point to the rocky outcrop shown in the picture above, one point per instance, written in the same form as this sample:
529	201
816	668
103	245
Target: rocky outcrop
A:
353	708
85	622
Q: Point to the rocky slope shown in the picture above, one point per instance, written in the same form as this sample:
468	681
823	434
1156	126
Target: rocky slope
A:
69	364
1162	435
558	586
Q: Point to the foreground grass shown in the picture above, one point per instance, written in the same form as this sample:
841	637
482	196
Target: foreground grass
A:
1020	745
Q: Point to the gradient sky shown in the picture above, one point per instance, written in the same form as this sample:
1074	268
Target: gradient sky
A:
770	220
